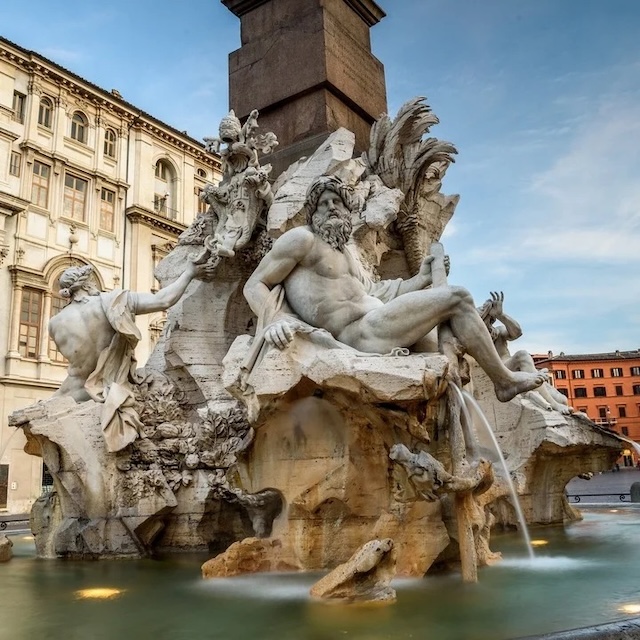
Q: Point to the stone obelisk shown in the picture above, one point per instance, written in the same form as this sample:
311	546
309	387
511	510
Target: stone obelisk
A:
307	66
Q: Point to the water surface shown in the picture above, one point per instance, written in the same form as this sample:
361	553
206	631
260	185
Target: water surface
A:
582	576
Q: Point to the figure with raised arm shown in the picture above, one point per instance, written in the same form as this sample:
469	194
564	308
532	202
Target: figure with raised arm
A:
325	287
545	396
97	334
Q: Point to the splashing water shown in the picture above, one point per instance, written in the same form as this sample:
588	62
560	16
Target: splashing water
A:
467	400
6	444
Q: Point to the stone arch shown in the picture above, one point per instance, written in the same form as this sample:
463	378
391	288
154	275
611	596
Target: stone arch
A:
57	265
166	181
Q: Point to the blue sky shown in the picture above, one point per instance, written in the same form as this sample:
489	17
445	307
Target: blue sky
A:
542	99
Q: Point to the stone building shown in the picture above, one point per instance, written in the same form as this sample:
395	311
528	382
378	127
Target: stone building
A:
84	176
605	386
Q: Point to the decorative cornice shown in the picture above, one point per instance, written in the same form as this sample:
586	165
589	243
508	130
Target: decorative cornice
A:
140	215
368	10
71	84
31	382
27	276
10	205
5	133
240	7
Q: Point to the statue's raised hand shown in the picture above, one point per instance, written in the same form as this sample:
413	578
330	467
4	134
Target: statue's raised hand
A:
425	267
279	334
497	299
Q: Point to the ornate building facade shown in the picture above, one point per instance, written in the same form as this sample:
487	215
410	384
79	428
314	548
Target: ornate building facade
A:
84	177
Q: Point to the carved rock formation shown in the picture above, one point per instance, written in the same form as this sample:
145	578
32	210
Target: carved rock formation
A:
5	549
251	555
365	577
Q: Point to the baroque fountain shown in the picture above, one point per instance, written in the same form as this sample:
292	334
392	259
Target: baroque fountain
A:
302	411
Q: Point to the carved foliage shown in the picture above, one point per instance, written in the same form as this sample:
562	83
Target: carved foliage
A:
176	446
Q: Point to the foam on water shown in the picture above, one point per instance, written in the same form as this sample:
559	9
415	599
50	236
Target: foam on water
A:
275	586
545	563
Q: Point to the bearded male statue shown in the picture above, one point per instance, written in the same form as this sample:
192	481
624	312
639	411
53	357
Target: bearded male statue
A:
325	287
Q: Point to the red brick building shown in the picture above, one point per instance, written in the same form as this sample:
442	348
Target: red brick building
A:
605	386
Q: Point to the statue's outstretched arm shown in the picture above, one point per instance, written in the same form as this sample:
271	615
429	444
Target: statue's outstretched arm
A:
169	295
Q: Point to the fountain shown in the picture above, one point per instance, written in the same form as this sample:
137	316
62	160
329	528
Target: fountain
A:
275	431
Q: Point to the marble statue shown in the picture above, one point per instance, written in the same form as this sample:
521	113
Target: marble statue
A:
260	439
325	288
430	479
97	334
244	193
546	395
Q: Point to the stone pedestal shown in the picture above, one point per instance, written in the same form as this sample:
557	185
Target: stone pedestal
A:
307	67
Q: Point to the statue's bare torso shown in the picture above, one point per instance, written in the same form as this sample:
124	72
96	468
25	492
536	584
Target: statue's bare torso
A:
324	289
81	331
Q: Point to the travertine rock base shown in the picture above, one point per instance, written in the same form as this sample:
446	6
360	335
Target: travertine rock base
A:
5	549
365	577
252	555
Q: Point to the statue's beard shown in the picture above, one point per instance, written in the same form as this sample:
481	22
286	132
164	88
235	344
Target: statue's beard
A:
335	231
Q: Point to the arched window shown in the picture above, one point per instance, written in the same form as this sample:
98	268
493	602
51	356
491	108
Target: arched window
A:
79	127
162	170
45	112
110	143
164	190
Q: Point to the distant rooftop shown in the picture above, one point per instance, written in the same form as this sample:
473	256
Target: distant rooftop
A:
575	357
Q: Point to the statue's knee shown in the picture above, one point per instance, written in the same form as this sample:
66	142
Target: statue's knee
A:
461	295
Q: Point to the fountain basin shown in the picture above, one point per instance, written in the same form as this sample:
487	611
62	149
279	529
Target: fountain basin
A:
585	575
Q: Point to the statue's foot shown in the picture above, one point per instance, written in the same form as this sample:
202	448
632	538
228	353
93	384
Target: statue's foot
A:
563	409
539	401
519	383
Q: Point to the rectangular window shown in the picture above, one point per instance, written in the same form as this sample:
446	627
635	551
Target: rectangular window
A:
19	102
560	375
57	304
577	373
14	163
201	205
622	411
580	392
597	373
582	409
40	184
602	412
4	485
30	309
107	209
599	392
635	371
619	390
75	197
636	389
616	372
564	392
625	431
45	111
